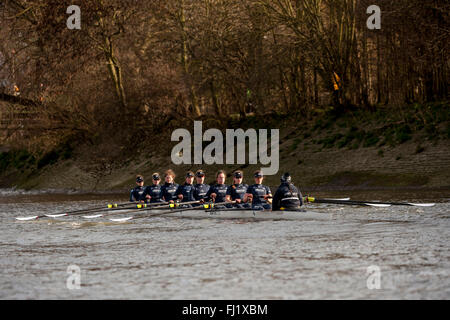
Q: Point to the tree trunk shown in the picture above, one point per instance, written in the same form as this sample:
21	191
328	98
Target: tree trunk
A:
184	60
114	68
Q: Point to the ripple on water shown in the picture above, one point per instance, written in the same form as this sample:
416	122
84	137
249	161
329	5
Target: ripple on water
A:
166	258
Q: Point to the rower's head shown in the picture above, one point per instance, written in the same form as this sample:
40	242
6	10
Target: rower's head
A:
200	176
220	177
238	176
156	178
189	177
169	176
139	180
258	175
286	177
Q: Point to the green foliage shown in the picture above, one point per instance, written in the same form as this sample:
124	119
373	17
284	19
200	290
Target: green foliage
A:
370	139
431	131
342	143
66	151
318	124
329	141
420	149
294	145
19	159
4	161
48	158
62	152
342	123
353	138
388	138
403	133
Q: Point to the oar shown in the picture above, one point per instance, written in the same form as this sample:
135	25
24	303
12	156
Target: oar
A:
398	203
151	206
360	203
138	207
235	209
372	203
114	206
368	203
205	206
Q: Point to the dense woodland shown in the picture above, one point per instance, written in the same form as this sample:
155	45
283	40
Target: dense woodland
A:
140	64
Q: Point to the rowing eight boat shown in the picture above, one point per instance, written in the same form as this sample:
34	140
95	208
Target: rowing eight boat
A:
215	211
235	214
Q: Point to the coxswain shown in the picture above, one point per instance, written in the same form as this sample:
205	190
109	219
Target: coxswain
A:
200	188
287	196
153	193
185	192
259	194
137	193
217	193
169	189
237	190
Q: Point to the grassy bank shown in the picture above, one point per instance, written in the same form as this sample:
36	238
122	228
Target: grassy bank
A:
324	149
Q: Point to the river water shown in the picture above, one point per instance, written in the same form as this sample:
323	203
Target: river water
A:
400	252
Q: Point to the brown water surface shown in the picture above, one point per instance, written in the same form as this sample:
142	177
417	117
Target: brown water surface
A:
169	258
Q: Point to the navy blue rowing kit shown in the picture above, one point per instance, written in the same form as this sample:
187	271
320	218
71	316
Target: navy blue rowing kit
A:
237	191
187	190
155	192
287	196
200	191
137	193
220	190
169	191
259	191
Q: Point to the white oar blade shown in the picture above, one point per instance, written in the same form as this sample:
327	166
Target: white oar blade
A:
93	216
56	215
26	218
340	199
422	204
378	205
121	219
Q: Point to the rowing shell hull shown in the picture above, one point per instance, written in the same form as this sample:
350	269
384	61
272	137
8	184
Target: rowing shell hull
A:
243	214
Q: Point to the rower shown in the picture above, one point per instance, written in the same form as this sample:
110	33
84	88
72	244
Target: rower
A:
259	194
287	196
185	192
237	190
137	193
169	189
217	193
200	188
153	193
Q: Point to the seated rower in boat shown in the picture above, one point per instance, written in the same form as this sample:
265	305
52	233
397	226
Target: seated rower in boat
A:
217	193
169	189
287	196
259	194
137	193
153	193
200	188
185	192
236	191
